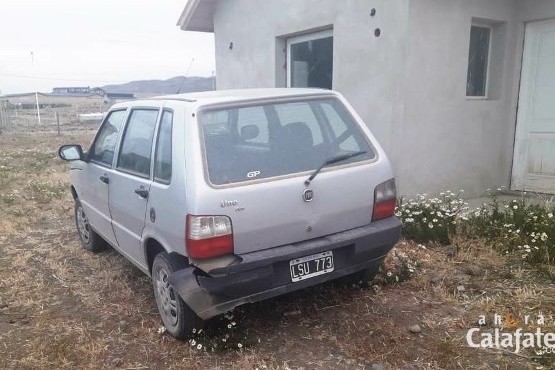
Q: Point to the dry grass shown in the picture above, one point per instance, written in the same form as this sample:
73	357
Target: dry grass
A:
62	307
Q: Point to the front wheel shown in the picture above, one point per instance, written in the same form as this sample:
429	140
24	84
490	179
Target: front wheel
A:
89	239
177	317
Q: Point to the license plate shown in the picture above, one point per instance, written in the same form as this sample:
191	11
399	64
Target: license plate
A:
309	266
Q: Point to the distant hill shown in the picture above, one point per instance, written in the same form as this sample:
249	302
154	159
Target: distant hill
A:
174	85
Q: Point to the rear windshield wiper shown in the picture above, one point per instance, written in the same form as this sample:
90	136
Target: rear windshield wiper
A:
332	160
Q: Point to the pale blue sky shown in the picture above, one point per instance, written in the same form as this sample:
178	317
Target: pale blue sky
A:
96	42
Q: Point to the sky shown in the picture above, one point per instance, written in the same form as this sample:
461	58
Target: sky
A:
96	43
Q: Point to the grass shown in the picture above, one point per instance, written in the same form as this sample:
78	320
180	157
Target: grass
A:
62	307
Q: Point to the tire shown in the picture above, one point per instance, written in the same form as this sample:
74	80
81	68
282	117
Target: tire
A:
177	317
89	239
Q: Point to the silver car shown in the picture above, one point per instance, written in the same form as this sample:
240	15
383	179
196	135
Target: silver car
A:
231	197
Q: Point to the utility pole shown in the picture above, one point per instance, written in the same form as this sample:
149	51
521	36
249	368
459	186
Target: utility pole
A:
36	91
213	81
186	75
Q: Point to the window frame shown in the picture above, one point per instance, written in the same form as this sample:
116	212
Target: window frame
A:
488	66
300	39
116	147
122	136
155	146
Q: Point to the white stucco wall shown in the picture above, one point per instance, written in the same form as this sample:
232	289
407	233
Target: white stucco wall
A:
450	141
535	10
408	84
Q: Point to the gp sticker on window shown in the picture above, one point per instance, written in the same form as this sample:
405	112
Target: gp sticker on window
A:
253	174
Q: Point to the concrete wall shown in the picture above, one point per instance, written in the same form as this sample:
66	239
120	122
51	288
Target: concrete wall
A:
408	84
449	141
535	10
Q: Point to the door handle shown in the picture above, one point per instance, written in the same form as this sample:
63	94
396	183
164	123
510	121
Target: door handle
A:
142	192
105	179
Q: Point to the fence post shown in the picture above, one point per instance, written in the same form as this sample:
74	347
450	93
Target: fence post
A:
57	122
4	114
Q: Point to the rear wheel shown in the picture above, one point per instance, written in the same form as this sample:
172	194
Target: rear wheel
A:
177	317
90	240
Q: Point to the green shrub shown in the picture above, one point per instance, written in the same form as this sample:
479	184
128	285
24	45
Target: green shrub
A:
517	227
431	219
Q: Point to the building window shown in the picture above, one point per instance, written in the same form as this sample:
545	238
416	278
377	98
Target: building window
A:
310	60
478	61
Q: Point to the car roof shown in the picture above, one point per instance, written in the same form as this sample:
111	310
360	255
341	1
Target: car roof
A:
229	96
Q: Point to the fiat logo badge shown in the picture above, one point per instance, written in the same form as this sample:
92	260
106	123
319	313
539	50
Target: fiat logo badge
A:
308	195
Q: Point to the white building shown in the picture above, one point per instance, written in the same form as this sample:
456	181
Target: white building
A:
461	93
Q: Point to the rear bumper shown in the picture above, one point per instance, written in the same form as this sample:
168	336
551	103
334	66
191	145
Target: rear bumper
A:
265	274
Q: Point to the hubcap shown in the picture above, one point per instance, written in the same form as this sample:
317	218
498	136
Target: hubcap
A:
166	298
83	225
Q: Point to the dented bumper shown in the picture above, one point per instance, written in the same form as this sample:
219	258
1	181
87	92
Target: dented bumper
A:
266	273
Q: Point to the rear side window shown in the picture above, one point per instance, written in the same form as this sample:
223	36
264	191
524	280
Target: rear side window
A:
136	146
102	150
263	141
163	156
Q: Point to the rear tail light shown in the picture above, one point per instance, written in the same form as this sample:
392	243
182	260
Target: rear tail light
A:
208	236
384	200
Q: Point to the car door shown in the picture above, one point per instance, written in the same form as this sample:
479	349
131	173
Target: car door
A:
166	201
94	191
131	181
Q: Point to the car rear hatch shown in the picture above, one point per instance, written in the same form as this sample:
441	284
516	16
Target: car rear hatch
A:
257	160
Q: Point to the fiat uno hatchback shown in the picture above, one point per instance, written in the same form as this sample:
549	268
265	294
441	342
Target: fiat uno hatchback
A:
231	197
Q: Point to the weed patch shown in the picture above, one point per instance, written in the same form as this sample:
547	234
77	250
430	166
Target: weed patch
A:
518	227
9	198
44	192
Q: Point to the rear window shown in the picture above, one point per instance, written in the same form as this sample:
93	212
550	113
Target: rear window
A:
257	142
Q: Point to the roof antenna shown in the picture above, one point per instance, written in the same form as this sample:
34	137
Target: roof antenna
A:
186	75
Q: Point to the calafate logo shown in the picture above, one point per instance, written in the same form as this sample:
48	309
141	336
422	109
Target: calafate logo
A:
513	333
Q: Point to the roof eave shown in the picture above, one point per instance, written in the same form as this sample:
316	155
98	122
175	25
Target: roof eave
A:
197	16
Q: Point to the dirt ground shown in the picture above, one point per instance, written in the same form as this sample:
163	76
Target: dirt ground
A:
63	307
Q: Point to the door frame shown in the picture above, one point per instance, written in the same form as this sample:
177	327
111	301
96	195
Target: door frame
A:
527	80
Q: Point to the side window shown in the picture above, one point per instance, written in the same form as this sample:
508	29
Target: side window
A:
102	150
163	156
136	146
252	125
296	114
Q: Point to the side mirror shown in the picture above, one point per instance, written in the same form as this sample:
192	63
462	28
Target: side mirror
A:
249	132
70	152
